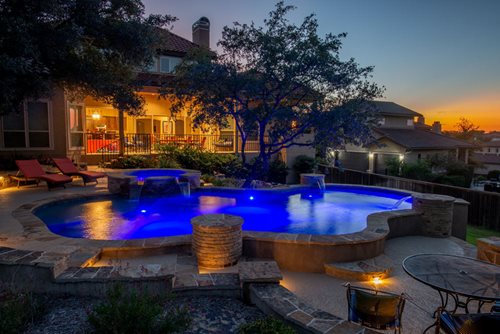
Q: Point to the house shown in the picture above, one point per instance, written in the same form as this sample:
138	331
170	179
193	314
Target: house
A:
402	134
487	156
89	129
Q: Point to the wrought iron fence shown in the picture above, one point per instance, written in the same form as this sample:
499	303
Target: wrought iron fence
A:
107	145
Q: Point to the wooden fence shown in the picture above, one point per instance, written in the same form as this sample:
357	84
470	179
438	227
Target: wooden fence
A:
484	209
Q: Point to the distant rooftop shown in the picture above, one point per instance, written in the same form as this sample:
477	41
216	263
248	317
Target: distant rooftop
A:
394	109
422	139
176	45
491	159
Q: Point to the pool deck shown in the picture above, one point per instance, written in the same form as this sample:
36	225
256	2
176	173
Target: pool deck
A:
319	290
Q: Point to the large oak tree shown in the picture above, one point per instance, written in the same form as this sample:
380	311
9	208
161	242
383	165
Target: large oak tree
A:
278	82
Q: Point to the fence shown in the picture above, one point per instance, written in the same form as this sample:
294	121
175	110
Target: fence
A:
484	209
107	145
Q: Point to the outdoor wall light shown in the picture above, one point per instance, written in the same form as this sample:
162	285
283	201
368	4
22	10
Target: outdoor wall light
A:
371	155
401	157
376	280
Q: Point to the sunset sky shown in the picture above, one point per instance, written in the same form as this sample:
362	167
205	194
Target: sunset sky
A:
438	57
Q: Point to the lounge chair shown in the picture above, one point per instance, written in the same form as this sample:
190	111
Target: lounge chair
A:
375	309
32	170
66	166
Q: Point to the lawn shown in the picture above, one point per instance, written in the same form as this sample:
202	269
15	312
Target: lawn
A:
475	232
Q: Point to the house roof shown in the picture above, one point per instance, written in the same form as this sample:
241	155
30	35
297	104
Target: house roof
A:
491	159
394	109
492	143
175	44
421	139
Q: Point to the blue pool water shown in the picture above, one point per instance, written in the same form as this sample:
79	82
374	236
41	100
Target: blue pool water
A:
339	211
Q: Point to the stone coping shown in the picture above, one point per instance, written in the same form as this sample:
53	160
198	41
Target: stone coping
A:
377	227
125	173
277	300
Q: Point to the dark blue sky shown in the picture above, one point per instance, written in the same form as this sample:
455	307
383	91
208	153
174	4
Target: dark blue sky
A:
438	57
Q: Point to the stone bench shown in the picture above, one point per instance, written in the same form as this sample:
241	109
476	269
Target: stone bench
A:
488	249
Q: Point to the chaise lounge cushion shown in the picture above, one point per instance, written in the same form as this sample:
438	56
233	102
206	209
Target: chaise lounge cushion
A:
66	166
32	169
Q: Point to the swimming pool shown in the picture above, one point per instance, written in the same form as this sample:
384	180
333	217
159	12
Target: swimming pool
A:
340	210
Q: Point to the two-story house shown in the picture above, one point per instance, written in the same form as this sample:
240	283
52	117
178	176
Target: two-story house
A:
402	134
89	129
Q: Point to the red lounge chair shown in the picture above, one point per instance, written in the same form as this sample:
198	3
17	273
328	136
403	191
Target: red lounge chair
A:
66	166
32	170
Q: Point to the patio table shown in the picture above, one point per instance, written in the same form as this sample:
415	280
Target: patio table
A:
462	279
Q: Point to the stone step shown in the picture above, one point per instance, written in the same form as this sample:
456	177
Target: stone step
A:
362	270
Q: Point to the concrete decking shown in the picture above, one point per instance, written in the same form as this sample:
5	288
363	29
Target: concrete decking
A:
328	294
319	290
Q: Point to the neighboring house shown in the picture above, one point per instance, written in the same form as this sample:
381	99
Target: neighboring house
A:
488	157
402	134
88	129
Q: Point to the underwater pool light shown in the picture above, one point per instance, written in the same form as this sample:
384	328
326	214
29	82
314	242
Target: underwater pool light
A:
143	211
251	198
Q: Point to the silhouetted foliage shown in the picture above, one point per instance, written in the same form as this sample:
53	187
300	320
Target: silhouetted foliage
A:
277	83
88	47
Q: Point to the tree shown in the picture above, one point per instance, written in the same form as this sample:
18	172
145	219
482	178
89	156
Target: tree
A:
277	83
466	130
88	47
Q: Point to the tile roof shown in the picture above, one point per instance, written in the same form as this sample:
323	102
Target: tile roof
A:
491	159
175	44
422	139
394	109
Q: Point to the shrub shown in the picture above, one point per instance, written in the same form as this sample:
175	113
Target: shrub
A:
304	164
268	325
18	310
417	171
277	171
191	157
133	161
135	313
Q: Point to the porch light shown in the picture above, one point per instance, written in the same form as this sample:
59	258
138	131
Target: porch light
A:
96	116
401	157
371	155
376	280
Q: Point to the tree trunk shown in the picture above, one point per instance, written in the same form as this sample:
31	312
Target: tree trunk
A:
121	133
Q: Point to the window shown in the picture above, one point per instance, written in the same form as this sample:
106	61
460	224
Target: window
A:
29	128
409	122
75	119
168	64
381	121
153	67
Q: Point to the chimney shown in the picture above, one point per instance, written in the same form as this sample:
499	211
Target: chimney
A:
201	32
436	127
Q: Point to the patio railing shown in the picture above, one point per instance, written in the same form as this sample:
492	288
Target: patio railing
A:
107	145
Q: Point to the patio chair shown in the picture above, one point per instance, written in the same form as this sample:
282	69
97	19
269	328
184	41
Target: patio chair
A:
32	170
479	323
67	167
375	309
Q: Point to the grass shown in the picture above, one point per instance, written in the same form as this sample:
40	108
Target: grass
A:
475	232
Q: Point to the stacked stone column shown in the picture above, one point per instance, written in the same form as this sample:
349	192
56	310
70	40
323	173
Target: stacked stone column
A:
437	213
217	240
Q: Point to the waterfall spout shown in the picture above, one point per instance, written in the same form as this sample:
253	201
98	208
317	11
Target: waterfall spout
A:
401	201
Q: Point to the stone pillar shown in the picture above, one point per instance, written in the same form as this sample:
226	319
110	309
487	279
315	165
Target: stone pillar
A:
217	240
437	213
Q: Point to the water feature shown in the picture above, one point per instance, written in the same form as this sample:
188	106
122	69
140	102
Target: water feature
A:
401	201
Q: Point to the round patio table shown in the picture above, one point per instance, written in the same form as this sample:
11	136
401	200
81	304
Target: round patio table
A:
463	279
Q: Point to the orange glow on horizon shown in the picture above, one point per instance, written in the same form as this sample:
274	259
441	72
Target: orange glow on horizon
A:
483	111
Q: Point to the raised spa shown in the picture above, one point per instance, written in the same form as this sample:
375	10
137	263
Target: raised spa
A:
341	210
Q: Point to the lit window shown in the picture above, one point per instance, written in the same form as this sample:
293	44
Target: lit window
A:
75	118
409	122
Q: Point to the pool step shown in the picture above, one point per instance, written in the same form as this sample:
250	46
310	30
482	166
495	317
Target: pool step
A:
363	270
